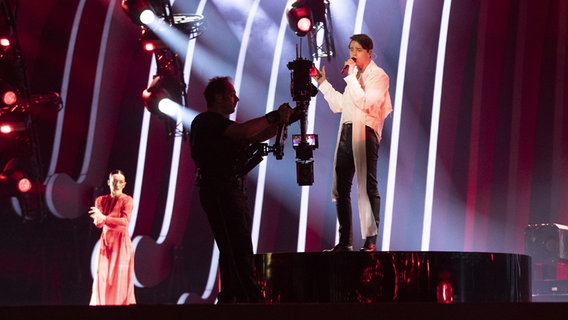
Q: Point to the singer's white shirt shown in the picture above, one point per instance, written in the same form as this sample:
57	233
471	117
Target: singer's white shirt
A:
365	102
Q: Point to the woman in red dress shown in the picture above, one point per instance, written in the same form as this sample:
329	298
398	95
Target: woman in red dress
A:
113	282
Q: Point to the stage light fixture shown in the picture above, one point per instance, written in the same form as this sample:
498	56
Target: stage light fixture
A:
142	12
299	16
9	98
8	95
163	96
19	181
4	42
150	41
7	128
14	179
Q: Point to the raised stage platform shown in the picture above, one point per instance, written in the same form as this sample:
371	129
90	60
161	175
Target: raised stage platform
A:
362	277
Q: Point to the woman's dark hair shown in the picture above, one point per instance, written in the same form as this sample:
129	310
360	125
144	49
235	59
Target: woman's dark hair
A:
116	171
215	86
364	40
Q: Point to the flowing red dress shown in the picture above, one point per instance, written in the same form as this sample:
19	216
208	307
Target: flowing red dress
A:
113	282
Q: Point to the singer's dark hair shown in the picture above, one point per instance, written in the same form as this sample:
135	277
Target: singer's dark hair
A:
364	40
215	86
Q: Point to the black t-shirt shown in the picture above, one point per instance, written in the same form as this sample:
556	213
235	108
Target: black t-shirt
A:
213	153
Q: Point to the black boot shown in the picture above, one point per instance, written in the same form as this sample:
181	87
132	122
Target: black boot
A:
370	244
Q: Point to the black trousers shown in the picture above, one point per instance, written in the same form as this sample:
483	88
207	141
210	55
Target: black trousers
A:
230	219
345	170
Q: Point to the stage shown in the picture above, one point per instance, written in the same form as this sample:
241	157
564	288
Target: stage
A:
356	285
296	311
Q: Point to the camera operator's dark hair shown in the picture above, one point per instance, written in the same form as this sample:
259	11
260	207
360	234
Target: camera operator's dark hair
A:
215	86
364	40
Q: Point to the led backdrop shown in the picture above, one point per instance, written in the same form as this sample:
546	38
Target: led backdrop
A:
472	154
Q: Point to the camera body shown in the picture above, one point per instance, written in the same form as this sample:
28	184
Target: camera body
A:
301	87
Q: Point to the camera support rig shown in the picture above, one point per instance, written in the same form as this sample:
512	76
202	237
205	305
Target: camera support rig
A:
302	91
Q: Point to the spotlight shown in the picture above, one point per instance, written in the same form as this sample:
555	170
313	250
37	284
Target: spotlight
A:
4	42
14	179
150	41
8	95
163	96
20	181
16	183
142	12
299	16
12	122
7	128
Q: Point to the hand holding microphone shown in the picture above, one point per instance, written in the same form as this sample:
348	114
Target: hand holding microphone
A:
347	64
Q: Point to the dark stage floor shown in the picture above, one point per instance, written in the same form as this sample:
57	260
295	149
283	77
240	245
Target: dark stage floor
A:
349	311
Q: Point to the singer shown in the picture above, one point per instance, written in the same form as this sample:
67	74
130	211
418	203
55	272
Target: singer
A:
364	106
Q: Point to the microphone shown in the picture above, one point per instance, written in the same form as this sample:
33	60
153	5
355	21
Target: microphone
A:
346	67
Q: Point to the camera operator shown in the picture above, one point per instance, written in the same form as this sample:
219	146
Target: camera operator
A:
364	105
216	146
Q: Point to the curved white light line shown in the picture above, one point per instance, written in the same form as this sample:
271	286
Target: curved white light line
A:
212	278
135	243
434	127
65	88
141	161
269	107
95	106
96	93
172	181
95	257
243	51
359	18
396	125
176	152
213	266
172	186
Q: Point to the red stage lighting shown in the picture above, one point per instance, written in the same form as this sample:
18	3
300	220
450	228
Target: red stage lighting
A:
6	128
8	95
12	126
149	46
9	98
304	25
13	179
299	16
150	41
162	89
4	42
24	185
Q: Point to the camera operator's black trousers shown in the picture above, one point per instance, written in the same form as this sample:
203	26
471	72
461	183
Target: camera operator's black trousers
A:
345	171
229	217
